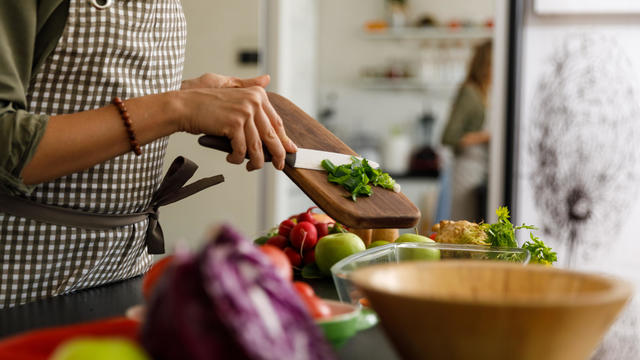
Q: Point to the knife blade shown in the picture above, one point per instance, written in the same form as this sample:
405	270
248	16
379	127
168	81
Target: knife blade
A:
303	158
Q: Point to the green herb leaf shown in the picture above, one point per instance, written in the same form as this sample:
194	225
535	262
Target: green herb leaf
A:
261	240
540	253
502	234
357	176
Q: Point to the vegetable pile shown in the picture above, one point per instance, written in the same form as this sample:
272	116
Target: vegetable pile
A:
298	237
500	234
357	176
229	302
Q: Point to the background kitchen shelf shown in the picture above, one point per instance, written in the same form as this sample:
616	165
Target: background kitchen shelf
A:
412	84
431	33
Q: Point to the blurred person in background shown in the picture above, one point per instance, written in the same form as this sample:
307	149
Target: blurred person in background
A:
465	133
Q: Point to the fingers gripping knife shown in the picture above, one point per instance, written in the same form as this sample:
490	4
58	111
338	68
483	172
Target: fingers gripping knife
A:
383	209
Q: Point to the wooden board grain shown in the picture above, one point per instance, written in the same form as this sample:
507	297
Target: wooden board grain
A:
383	209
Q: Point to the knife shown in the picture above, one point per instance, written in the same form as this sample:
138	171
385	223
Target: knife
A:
303	158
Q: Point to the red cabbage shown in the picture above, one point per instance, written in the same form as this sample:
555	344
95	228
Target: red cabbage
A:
228	302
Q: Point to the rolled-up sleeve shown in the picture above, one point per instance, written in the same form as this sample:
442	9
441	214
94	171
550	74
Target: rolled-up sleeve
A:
467	115
456	125
20	131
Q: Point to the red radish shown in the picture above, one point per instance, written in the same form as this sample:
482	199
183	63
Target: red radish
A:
322	229
304	236
294	258
307	216
285	228
278	241
303	289
309	256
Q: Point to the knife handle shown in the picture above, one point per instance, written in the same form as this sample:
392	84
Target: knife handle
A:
224	144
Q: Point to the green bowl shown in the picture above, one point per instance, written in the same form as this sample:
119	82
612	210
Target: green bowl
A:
346	321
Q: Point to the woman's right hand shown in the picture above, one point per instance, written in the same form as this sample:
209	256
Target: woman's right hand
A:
244	115
474	138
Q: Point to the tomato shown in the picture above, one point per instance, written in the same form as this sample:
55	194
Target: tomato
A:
365	302
432	236
153	275
279	259
303	289
295	258
317	307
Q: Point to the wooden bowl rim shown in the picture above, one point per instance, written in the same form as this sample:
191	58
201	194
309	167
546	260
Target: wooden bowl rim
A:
619	289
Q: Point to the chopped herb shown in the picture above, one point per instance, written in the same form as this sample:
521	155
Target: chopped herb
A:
357	176
540	253
502	233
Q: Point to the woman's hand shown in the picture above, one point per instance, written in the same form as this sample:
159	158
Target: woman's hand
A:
242	114
211	104
215	81
474	138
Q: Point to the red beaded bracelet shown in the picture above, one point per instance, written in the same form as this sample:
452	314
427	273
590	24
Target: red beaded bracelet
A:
135	147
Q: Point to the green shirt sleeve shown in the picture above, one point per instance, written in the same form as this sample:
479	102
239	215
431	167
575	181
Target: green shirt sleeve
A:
29	30
467	115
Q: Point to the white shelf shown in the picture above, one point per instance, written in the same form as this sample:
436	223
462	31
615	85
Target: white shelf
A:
431	33
412	84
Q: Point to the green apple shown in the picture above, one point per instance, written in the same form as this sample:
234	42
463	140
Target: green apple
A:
334	247
409	237
378	243
99	349
417	254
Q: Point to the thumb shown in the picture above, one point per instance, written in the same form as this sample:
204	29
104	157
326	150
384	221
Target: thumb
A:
262	81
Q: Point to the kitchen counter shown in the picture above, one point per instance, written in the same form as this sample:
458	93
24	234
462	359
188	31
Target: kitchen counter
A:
112	300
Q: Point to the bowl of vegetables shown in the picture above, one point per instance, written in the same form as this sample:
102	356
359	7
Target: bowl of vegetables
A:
450	240
399	252
491	310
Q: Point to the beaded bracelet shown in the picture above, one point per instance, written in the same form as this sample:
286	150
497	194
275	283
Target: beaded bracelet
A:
135	147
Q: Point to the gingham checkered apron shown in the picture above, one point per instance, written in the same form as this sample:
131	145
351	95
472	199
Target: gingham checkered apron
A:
132	49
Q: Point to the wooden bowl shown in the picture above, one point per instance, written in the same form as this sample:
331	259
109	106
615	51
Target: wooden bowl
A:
491	310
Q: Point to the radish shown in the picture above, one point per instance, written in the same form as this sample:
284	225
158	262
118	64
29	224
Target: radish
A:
322	229
278	241
285	228
304	236
309	256
307	216
294	257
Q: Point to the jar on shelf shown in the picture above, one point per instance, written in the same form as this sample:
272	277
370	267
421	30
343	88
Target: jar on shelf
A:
397	13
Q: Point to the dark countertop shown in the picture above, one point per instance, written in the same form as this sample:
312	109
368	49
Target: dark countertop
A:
113	300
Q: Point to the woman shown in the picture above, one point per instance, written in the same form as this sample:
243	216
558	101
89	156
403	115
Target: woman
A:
68	141
466	135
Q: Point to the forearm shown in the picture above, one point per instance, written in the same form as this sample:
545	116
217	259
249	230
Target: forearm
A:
74	142
475	138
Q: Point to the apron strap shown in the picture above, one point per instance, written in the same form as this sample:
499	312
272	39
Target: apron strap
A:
171	190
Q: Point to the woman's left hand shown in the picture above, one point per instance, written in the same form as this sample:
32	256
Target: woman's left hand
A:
216	81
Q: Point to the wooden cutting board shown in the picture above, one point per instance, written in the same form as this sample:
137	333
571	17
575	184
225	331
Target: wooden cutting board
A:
383	209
